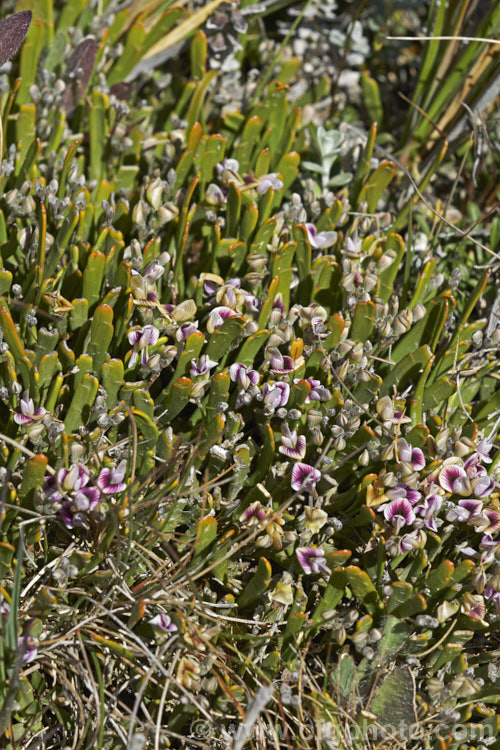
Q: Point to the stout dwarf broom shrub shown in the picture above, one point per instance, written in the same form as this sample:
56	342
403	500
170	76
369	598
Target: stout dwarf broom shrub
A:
249	414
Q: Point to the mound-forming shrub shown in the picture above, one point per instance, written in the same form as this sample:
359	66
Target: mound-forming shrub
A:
249	420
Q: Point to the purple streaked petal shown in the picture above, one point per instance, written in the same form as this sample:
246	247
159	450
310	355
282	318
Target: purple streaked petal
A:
185	330
163	624
483	486
488	522
202	365
22	419
110	481
483	448
312	560
399	513
29	646
268	181
280	363
134	336
403	492
27	407
218	316
430	523
487	542
254	513
297	449
66	514
399	417
317	239
473	507
493	596
319	393
474	606
153	270
305	477
431	505
417	459
150	335
51	490
454	479
276	394
457	514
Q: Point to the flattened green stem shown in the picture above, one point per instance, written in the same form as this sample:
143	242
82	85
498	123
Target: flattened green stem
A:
42	248
438	643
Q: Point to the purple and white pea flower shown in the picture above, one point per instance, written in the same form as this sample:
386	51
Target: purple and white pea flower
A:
153	271
162	623
317	239
482	485
280	363
317	393
267	181
403	492
474	607
410	455
66	481
292	444
428	509
218	316
483	449
253	515
276	394
110	480
71	519
413	540
29	648
453	478
319	328
487	522
141	339
186	329
399	513
493	596
464	510
227	165
305	478
243	375
73	513
312	560
203	365
28	413
354	244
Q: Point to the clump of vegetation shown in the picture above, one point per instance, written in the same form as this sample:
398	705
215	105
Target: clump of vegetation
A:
248	383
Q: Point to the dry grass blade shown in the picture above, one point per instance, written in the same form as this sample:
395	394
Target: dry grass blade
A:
12	32
184	29
442	39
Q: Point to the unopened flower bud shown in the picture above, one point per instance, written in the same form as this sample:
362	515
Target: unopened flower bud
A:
402	322
418	312
154	193
138	214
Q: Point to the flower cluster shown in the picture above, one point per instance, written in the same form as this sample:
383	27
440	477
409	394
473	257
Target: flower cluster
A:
73	493
453	494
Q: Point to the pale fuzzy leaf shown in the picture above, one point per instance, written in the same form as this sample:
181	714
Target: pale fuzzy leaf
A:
78	72
12	32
